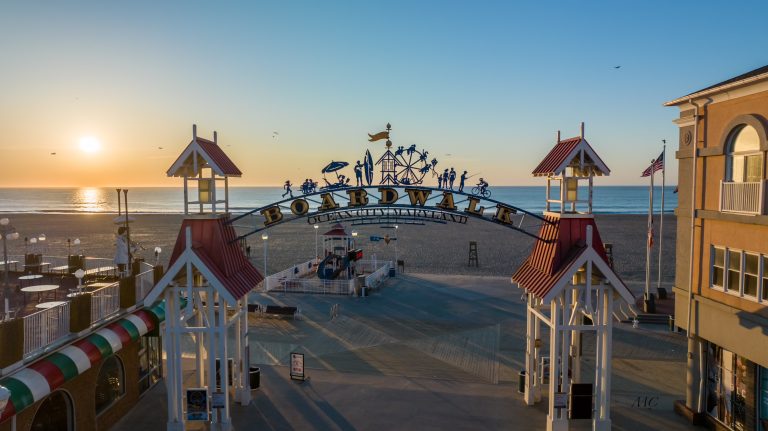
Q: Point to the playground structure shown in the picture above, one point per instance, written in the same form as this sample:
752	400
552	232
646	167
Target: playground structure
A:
339	255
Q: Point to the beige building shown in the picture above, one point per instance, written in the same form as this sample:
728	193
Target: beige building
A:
722	251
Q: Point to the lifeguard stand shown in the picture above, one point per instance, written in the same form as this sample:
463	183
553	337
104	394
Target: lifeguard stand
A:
571	162
571	288
206	164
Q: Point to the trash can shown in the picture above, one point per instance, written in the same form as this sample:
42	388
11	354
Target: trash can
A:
662	293
392	271
254	377
649	303
521	382
581	401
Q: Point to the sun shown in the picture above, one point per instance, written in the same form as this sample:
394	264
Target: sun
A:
89	144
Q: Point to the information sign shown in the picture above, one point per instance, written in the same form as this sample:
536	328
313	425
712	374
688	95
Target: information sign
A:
197	404
297	366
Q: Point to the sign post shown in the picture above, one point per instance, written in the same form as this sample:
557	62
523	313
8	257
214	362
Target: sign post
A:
197	405
297	366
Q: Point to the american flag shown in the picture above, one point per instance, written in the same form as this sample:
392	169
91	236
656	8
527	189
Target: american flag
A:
656	165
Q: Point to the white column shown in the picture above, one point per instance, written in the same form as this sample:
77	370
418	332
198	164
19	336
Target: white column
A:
555	420
565	351
530	354
602	421
209	341
225	423
537	358
576	340
173	361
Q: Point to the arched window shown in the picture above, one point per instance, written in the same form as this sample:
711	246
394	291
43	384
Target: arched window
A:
110	385
54	414
745	160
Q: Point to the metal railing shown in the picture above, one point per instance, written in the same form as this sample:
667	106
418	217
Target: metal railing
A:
44	327
743	198
275	280
317	285
375	278
105	302
145	281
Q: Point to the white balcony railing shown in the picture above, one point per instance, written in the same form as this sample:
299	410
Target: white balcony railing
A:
44	327
742	198
105	302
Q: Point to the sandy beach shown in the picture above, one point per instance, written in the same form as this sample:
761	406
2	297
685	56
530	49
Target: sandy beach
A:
436	249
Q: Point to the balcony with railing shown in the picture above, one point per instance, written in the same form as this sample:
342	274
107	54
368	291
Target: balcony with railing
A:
742	197
91	306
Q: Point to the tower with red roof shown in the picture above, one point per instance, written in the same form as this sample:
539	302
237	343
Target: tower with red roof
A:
570	287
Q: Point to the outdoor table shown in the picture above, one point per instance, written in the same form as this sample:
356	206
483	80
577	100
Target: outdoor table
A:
30	277
39	289
51	304
97	271
60	269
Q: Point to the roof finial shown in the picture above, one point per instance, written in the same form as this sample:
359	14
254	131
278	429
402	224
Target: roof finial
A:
215	137
194	132
582	130
558	136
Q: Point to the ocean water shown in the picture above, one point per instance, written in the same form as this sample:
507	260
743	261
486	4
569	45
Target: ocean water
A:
606	199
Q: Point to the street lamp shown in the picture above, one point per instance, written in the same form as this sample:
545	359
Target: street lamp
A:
41	239
354	238
79	274
76	242
7	231
158	250
316	252
265	237
396	227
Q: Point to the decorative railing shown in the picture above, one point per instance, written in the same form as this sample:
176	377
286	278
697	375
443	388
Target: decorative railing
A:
44	327
105	302
375	278
145	281
743	198
317	285
297	271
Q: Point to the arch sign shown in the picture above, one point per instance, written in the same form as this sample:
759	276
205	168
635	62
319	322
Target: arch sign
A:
400	196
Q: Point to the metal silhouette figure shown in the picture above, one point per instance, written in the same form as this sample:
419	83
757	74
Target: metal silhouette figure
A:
461	181
359	173
481	189
308	186
287	187
451	178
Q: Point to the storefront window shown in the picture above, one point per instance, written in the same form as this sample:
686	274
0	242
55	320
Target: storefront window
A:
54	414
149	362
731	389
109	384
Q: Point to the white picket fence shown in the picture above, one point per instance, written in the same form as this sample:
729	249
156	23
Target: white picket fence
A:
44	327
299	270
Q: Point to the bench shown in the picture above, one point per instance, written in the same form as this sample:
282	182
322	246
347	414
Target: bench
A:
278	310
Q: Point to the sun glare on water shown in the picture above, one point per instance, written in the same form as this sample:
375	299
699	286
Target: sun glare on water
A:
89	144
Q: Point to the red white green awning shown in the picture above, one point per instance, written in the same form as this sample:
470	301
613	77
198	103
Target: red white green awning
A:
36	381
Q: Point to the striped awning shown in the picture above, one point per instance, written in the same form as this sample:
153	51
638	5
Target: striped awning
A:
36	381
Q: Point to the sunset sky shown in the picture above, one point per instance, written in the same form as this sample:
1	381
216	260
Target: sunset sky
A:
484	86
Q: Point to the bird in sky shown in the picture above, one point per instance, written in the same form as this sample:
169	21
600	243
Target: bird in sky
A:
617	67
275	136
53	154
159	148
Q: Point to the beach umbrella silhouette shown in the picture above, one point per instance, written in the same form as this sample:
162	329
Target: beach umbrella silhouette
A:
334	166
121	219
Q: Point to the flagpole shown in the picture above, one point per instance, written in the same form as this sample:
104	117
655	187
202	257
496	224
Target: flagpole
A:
647	298
661	215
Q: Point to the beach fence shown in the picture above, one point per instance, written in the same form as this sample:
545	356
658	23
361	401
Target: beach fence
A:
295	279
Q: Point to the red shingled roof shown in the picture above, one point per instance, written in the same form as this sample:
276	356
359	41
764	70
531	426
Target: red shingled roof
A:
556	156
213	241
562	243
336	230
218	156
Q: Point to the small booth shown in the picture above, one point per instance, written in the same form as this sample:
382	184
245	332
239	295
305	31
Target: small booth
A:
572	289
338	254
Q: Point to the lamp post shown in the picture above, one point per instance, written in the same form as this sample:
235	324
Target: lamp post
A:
158	250
76	242
41	239
265	237
396	228
7	231
316	252
79	274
